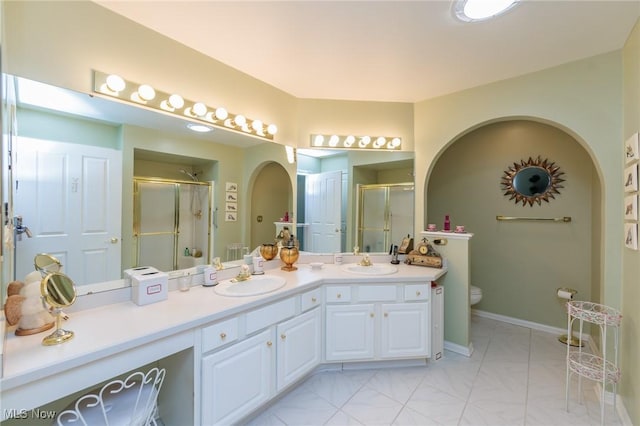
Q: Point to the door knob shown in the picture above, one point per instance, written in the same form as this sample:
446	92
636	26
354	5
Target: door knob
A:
113	240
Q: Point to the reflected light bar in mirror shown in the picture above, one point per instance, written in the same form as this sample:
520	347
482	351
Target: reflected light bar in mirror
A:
371	143
143	94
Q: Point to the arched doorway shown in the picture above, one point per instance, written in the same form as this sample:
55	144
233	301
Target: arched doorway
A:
271	197
520	264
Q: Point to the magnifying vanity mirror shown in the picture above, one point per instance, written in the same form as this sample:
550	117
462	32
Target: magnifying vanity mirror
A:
59	292
45	263
532	181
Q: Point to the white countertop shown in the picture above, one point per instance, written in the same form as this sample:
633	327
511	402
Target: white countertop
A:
108	330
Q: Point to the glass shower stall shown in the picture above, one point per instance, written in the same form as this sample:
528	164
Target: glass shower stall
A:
172	223
385	215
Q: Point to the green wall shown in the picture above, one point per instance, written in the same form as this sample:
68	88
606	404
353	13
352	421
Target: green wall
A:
518	265
630	346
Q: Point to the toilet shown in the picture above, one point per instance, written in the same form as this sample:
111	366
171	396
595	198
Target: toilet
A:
476	295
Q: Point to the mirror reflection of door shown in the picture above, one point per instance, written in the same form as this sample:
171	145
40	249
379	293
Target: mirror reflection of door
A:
385	215
323	210
69	196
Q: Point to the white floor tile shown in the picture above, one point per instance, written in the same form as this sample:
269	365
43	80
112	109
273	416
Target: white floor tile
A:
371	407
516	376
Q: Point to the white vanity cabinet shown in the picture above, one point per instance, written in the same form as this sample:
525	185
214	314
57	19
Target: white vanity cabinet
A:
367	322
299	347
238	379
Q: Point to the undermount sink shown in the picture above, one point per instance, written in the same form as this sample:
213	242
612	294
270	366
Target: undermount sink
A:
375	269
257	284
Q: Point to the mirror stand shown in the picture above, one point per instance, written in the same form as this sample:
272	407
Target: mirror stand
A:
60	335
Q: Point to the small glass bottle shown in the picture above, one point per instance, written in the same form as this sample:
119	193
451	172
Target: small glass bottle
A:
447	223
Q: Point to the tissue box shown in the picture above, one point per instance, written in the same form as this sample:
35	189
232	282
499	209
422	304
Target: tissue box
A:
128	273
149	287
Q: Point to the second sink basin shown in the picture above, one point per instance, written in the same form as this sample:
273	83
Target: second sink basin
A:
257	284
375	269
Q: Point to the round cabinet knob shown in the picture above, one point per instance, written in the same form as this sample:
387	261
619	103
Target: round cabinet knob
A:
418	293
223	336
338	295
313	299
371	314
283	336
386	314
269	343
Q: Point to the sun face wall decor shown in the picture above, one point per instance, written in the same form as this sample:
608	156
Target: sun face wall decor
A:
532	181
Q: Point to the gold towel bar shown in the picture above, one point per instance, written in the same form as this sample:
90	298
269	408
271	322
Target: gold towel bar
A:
548	219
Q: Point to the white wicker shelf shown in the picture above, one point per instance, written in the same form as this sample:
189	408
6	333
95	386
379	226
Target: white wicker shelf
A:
593	367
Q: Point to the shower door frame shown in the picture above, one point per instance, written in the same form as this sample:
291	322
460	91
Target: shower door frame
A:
386	229
176	225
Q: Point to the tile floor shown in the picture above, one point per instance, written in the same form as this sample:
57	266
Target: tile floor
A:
516	376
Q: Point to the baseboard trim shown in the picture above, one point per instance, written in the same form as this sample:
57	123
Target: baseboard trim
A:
524	323
459	349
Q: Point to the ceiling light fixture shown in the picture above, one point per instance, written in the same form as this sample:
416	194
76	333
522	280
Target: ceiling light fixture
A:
381	143
480	10
115	86
200	128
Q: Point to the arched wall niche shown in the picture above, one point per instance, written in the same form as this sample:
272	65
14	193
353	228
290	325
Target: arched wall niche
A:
271	194
515	261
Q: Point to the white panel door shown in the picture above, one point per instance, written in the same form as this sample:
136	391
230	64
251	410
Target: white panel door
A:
299	347
323	198
405	330
237	380
349	332
69	196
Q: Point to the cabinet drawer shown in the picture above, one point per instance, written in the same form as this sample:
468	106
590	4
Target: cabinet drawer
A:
271	314
310	299
340	293
219	334
416	292
377	293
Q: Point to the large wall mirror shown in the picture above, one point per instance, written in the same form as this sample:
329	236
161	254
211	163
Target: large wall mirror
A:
328	199
100	127
58	130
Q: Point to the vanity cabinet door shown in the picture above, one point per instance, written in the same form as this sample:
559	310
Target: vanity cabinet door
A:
405	330
349	332
299	343
238	379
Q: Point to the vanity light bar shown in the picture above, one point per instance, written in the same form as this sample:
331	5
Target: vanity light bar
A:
143	94
382	143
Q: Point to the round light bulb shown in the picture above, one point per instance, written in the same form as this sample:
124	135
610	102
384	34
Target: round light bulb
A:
240	120
221	113
199	109
176	101
395	142
272	129
380	141
364	141
318	140
146	92
115	83
257	125
349	141
333	141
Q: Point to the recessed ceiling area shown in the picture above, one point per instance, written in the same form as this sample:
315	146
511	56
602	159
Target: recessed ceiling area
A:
399	51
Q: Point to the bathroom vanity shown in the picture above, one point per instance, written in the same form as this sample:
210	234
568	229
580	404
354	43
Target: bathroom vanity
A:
228	356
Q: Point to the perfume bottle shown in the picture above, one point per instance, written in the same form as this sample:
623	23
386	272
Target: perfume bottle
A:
447	223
